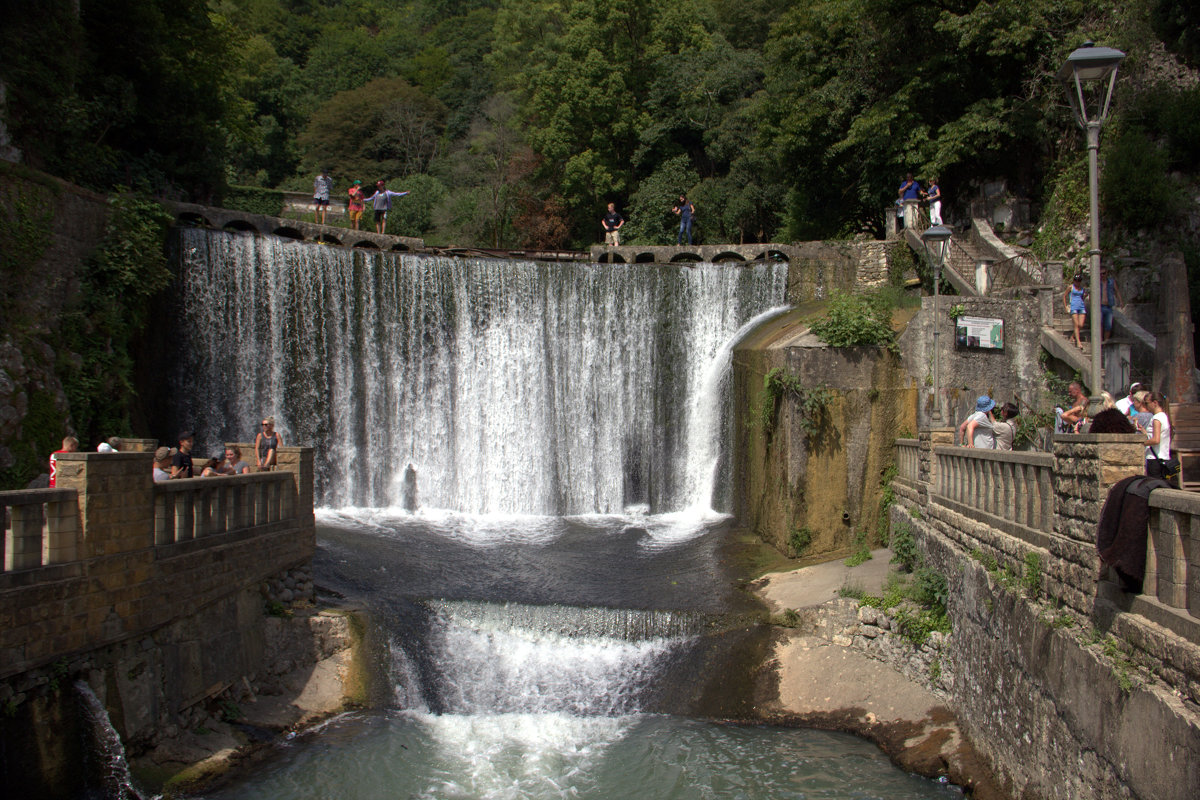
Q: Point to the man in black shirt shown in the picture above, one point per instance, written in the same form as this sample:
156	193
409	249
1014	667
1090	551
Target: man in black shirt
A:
612	223
181	462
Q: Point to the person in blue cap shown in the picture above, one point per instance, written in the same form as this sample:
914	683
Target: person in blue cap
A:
976	430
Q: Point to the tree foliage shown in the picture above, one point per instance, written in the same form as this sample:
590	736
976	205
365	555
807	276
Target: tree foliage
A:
780	120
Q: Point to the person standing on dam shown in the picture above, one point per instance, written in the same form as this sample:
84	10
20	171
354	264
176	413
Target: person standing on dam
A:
381	202
612	223
686	211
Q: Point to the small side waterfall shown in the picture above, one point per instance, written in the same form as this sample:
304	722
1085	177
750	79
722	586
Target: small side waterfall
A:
509	387
107	769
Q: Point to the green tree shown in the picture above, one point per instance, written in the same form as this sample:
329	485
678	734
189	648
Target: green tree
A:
387	128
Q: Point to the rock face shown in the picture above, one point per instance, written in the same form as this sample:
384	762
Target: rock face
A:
49	229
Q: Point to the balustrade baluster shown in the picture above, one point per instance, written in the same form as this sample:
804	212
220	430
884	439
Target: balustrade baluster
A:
1046	498
201	524
184	516
23	537
62	540
1171	570
260	503
216	499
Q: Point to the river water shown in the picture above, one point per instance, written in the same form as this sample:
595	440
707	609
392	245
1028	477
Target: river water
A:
518	466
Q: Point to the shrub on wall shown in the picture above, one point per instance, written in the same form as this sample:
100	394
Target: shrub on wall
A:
855	320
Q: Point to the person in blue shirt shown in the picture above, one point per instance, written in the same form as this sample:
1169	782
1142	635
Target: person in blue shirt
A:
685	210
909	188
1075	304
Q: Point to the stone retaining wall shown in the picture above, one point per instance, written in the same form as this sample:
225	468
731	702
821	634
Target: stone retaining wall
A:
1062	686
155	629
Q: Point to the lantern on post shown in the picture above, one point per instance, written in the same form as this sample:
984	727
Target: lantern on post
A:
1089	77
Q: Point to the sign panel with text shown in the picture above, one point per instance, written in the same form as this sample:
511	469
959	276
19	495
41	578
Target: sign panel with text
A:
984	333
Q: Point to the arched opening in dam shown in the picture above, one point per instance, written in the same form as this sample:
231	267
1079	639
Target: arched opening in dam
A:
520	473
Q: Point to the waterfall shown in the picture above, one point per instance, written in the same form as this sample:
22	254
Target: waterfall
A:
108	770
506	386
484	658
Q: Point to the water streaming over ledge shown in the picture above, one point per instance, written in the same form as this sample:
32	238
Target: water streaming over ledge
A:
508	386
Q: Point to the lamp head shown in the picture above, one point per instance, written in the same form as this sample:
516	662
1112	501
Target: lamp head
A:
1090	70
935	238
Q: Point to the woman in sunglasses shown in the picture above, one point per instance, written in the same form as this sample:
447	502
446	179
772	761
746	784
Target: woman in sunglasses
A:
267	443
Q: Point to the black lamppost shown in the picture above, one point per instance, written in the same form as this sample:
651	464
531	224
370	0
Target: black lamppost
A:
936	239
1089	77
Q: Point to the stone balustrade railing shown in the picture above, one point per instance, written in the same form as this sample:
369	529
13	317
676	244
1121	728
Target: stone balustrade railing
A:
908	461
1012	486
198	507
40	527
1173	550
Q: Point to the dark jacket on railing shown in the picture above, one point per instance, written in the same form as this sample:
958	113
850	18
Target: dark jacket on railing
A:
1124	521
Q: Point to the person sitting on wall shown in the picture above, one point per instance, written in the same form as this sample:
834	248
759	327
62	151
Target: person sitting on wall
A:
233	462
1071	420
976	430
69	445
267	443
162	463
181	462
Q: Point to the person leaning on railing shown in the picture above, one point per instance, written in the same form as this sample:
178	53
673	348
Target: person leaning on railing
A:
976	430
1158	442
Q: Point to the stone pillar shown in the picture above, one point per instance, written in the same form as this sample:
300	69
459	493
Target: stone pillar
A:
891	226
1175	357
983	275
116	500
927	462
912	209
1118	360
299	462
1085	467
129	445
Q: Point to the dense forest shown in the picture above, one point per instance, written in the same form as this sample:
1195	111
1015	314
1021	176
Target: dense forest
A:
513	122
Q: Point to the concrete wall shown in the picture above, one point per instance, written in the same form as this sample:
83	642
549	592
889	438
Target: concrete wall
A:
967	373
829	482
155	629
1064	692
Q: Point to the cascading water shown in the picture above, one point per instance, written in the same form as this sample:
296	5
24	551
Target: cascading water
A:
513	387
517	463
107	769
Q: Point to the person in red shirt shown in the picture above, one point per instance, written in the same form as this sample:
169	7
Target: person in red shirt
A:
357	204
69	445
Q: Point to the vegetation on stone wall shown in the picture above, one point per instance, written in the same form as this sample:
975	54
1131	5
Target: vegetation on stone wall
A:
810	402
26	217
124	275
42	431
855	320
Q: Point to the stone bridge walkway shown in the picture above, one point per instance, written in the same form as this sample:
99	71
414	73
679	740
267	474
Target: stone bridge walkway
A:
230	220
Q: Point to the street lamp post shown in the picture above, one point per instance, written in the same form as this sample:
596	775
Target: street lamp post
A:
1089	77
936	238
